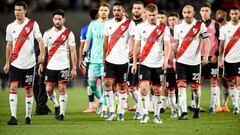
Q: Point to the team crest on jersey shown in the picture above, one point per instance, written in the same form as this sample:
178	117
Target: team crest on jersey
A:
158	31
110	28
181	31
123	28
194	30
144	32
27	29
63	37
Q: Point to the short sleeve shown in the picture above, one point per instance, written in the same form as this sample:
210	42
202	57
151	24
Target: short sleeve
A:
36	31
221	34
176	32
204	32
89	34
132	29
137	35
8	33
45	39
166	36
71	39
106	33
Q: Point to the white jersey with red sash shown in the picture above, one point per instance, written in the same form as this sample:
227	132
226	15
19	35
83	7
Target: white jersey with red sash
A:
22	38
171	50
189	36
58	43
151	37
231	34
119	33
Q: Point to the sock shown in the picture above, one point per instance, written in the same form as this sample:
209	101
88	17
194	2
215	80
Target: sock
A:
164	102
90	97
172	100
13	103
134	94
103	95
239	98
122	101
53	98
145	103
139	107
225	94
182	97
193	101
110	100
63	103
213	96
94	88
197	96
157	103
29	105
218	102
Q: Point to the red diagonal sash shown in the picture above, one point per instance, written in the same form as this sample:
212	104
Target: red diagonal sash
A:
117	34
232	41
22	37
58	42
189	38
152	38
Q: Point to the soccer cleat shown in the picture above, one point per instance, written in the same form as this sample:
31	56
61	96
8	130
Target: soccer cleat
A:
225	108
218	109
202	109
190	108
196	113
28	120
90	110
120	117
236	110
61	117
98	111
57	111
211	110
162	110
132	108
184	116
137	116
103	114
12	121
174	114
111	116
157	120
144	119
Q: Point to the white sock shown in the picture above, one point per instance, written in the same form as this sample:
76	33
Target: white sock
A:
145	103
213	96
234	96
110	100
239	98
122	102
197	96
164	102
157	104
29	105
172	100
182	99
218	101
91	104
134	95
63	103
53	98
13	103
139	107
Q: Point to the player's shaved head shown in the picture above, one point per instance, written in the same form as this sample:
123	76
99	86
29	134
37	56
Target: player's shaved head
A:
188	13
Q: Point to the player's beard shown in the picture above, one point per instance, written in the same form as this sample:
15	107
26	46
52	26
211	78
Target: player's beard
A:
188	20
136	15
58	26
220	20
118	17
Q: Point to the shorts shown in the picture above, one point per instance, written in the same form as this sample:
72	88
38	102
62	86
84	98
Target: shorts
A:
133	78
170	78
25	77
188	73
116	72
210	70
95	70
154	75
56	76
231	70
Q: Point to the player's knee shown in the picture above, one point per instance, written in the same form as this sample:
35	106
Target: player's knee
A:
92	83
195	87
62	88
157	92
171	93
230	84
122	86
213	82
132	89
49	88
13	87
181	84
144	91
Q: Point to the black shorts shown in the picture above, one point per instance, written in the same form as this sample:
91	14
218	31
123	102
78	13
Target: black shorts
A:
25	77
116	72
170	78
154	75
231	70
133	78
188	73
56	76
210	70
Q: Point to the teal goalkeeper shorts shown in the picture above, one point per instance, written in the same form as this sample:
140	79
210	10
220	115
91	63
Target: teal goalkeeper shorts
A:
95	70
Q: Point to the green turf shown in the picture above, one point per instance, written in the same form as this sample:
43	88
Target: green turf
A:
78	123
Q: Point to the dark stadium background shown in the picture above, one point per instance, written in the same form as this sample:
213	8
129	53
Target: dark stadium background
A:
77	14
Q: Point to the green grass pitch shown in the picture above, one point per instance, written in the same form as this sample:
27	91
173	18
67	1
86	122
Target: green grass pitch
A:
79	123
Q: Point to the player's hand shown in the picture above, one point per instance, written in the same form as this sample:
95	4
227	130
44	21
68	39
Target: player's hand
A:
41	59
40	70
221	63
6	68
205	60
73	74
165	64
130	55
134	68
214	59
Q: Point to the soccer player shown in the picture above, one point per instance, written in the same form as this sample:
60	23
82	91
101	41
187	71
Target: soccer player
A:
20	59
149	42
96	35
117	32
221	18
162	17
170	85
59	41
93	13
210	70
229	55
187	36
137	12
